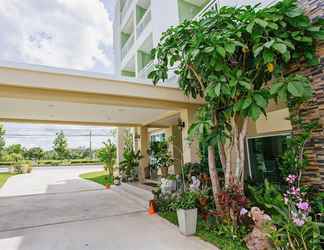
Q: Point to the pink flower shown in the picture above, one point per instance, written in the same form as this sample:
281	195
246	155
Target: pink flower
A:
243	211
298	222
294	191
303	205
291	178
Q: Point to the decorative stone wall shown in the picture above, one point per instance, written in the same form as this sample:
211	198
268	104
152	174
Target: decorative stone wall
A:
314	110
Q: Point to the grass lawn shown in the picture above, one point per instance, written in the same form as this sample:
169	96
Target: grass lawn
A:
212	236
4	177
99	177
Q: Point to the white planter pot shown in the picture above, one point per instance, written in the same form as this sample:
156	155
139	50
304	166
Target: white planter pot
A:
187	219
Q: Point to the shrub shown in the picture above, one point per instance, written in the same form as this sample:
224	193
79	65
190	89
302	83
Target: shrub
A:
186	200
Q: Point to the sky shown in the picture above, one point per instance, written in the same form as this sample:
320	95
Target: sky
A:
75	34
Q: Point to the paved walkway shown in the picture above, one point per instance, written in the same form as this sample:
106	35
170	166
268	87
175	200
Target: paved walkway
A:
53	209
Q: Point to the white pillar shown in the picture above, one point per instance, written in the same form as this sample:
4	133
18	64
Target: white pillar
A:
190	149
121	133
143	147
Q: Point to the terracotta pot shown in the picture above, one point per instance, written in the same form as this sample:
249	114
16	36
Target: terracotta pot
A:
107	186
203	201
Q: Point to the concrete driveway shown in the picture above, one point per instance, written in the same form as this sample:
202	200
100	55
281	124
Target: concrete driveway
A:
53	209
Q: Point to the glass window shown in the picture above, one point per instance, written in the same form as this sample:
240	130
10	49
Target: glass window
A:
264	156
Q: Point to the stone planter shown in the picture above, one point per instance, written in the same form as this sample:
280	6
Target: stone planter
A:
187	219
173	185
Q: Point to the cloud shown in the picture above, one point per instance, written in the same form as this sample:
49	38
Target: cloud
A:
63	33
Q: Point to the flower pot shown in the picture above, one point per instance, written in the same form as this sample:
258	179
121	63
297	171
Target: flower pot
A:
203	202
107	186
116	181
172	185
187	219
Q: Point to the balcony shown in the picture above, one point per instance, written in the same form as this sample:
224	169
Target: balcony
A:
125	8
127	46
212	5
143	23
146	70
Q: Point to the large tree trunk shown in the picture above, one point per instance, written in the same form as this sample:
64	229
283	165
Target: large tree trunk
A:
214	175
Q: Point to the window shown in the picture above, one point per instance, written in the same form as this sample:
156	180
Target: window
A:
264	154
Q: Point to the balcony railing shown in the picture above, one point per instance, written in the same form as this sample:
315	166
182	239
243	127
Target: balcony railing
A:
212	5
143	23
125	8
146	70
127	46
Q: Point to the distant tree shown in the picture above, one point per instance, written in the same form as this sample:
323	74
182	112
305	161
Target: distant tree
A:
36	153
60	146
16	149
107	156
2	140
80	153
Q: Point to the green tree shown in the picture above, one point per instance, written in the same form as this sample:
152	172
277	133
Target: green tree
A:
238	60
16	149
36	153
2	140
61	146
107	155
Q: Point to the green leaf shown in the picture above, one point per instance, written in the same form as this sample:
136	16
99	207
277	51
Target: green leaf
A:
294	12
293	89
254	112
260	101
269	44
319	35
217	89
246	103
257	50
280	47
273	26
249	28
209	49
230	47
221	51
261	22
268	56
276	87
245	84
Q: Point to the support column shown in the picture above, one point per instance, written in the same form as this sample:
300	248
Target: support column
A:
190	149
143	147
177	149
121	133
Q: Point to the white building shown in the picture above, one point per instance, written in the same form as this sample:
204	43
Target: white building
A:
138	28
139	24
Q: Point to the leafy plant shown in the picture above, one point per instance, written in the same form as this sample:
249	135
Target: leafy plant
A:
185	200
2	140
107	155
161	157
295	229
229	57
294	159
266	196
130	162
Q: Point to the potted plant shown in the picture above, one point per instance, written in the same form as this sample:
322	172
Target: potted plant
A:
160	156
186	207
117	180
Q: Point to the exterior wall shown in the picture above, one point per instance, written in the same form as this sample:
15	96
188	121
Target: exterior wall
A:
315	108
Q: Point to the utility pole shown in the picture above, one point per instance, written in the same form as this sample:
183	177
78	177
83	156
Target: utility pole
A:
90	143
